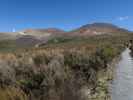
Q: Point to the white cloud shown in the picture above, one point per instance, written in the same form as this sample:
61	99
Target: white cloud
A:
123	18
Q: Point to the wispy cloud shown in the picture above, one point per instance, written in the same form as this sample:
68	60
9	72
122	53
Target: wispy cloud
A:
122	18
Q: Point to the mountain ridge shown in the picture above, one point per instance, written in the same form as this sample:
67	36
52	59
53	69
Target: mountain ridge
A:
37	36
98	28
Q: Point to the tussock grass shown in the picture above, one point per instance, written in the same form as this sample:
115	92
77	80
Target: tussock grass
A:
12	93
59	71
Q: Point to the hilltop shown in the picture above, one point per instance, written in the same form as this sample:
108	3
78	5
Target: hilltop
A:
98	29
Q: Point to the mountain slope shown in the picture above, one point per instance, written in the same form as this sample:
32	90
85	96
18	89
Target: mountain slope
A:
97	29
32	37
44	32
27	41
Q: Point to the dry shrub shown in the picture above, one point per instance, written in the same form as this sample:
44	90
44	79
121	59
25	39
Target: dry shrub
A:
7	74
12	93
54	74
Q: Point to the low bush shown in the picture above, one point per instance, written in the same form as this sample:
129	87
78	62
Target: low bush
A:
58	72
12	93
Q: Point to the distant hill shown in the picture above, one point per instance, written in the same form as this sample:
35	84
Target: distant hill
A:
31	37
43	32
97	29
89	29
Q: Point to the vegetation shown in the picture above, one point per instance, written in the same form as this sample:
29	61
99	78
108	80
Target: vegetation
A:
131	45
7	45
12	93
67	70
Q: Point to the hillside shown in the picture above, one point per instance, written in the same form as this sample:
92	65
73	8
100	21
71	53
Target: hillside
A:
27	41
43	32
98	28
8	36
88	29
41	37
72	69
65	67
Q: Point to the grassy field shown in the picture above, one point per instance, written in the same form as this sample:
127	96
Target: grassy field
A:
63	69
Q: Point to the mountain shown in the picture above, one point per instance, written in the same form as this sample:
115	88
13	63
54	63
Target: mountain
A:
97	29
32	37
48	30
43	32
88	29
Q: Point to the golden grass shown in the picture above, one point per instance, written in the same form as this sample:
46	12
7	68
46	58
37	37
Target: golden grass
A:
12	93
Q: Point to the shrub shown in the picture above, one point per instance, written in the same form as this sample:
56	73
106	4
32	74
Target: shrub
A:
12	93
7	74
58	72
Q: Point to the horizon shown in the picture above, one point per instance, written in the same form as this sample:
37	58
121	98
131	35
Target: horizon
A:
14	29
62	14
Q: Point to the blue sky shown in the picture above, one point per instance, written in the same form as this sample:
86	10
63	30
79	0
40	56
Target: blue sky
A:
64	14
